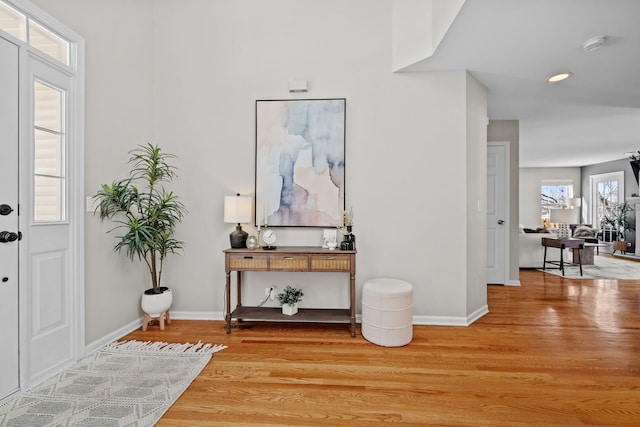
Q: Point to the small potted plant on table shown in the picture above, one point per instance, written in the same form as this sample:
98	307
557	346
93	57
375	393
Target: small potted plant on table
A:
289	299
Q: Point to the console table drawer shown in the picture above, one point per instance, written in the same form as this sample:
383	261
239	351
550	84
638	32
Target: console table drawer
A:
330	262
248	262
289	262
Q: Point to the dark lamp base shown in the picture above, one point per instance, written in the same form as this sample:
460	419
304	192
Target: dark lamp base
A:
238	238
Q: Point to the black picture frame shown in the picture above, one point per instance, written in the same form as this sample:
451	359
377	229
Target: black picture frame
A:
300	162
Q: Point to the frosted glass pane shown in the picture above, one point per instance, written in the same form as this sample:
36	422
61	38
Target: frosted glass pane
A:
13	22
48	107
48	153
48	199
49	43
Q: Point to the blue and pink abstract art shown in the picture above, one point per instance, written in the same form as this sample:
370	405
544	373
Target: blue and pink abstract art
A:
300	162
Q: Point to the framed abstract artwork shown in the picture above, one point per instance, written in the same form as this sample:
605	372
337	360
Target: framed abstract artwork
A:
300	147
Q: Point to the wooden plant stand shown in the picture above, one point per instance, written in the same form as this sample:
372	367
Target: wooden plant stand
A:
162	318
619	246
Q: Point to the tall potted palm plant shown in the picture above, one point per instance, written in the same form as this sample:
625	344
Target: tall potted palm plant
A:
146	214
618	218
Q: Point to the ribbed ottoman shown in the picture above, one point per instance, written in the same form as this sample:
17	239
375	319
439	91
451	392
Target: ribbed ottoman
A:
387	312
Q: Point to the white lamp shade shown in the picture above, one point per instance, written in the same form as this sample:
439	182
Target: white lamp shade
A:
564	216
237	209
575	202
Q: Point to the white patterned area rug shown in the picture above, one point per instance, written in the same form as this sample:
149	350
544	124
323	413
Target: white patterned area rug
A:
603	268
128	383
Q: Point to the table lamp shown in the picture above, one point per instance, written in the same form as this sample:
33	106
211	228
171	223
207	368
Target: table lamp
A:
237	209
563	217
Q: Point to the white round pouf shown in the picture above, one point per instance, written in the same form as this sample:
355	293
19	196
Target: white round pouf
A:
387	312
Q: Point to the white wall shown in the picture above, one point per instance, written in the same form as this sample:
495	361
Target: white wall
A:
530	182
418	28
476	195
208	61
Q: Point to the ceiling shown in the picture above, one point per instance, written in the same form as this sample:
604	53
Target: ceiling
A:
512	46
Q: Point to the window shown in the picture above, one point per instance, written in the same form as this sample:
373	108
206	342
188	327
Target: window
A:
13	22
48	149
49	43
553	194
26	29
607	190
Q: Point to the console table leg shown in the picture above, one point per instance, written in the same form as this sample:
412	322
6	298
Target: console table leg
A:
352	303
227	291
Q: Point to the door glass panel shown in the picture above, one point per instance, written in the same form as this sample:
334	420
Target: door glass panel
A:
48	42
48	108
48	195
12	21
607	192
48	153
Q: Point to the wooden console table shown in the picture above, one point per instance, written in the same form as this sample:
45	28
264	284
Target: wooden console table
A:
290	259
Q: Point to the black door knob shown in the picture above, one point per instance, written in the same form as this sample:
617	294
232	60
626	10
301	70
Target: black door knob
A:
8	236
5	209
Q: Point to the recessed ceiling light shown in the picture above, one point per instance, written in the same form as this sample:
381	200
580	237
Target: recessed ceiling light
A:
594	43
559	77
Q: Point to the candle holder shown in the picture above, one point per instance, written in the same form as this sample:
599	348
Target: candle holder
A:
258	246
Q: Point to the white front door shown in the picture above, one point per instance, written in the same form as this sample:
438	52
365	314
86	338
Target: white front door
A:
50	279
9	367
497	227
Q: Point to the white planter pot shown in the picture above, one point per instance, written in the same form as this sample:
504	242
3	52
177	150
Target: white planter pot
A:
289	309
154	304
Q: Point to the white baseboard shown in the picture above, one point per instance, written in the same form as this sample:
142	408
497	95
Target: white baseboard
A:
197	315
132	326
113	336
477	314
513	283
450	320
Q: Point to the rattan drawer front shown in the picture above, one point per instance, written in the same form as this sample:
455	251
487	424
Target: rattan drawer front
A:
289	262
330	263
248	262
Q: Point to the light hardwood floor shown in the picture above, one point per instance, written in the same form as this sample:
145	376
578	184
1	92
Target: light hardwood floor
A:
551	352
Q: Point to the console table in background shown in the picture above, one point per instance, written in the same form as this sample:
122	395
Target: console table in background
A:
290	259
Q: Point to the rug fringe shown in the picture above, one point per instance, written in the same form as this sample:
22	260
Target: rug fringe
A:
159	346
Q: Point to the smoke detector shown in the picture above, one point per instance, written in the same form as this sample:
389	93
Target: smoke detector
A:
593	43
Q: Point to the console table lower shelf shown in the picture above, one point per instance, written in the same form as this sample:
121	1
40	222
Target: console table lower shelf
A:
304	315
289	259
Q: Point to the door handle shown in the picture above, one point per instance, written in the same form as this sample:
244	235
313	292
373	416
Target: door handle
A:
9	236
500	221
5	209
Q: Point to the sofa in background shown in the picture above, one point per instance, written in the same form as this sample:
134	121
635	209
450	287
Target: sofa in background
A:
531	251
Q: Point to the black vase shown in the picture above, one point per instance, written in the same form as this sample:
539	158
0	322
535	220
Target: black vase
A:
349	242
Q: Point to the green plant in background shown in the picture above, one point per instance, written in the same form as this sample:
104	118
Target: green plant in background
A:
144	210
290	296
617	217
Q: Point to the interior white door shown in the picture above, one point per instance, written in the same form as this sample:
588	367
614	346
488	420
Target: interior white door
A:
497	227
9	250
